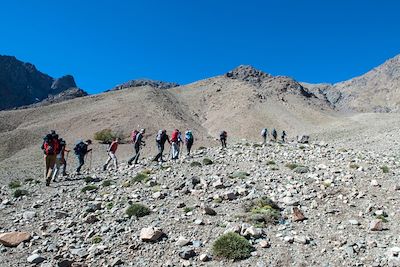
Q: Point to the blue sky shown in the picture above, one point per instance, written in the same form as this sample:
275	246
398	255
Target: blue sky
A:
104	43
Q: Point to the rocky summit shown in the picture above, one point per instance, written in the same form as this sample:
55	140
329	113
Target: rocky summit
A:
291	204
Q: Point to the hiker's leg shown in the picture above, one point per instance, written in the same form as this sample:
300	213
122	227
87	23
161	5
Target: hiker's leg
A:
56	169
64	162
137	155
114	158
81	161
107	161
46	166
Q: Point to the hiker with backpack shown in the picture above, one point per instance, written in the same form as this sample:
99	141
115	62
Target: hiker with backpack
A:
81	150
50	148
283	136
112	148
161	138
222	137
176	139
189	141
60	159
264	135
274	134
137	140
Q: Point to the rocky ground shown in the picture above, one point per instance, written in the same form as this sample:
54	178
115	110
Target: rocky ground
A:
349	198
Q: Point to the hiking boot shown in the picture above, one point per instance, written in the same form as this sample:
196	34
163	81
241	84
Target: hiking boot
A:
104	168
47	182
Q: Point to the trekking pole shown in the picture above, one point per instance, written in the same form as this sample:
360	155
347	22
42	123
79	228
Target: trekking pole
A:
90	161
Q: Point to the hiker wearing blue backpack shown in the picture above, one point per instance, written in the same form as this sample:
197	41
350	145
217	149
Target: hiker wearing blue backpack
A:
161	138
264	135
189	141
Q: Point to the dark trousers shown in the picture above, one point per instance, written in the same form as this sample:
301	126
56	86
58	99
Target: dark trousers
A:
81	161
223	142
189	147
135	157
160	152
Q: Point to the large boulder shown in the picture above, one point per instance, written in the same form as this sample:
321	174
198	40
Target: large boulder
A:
150	234
13	239
303	139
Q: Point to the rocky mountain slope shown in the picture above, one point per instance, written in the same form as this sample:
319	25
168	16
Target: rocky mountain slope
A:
376	91
337	207
22	84
145	82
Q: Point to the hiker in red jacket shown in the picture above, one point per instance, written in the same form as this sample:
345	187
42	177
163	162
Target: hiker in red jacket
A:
111	154
50	148
176	139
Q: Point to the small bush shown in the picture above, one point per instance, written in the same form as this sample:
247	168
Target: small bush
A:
14	184
232	246
385	169
274	168
137	210
354	166
28	180
263	211
147	171
383	218
302	147
106	183
96	239
88	179
257	145
140	177
106	136
188	209
109	205
217	200
88	188
271	162
207	161
19	193
240	175
202	148
195	164
292	166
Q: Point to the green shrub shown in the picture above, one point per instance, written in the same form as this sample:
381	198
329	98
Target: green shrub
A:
188	209
14	184
292	166
28	180
383	218
88	188
147	171
207	161
106	183
106	136
271	162
385	169
262	211
195	164
354	166
19	193
302	147
137	210
257	145
88	179
232	246
109	205
140	177
96	239
240	175
217	200
202	148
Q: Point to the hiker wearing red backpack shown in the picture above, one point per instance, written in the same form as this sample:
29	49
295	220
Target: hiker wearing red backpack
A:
138	142
222	137
111	154
60	159
50	148
176	140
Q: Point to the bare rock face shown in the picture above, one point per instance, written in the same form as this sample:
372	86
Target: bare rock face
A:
13	239
145	82
248	73
22	84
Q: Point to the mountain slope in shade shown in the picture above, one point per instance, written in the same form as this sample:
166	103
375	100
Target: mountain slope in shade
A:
22	84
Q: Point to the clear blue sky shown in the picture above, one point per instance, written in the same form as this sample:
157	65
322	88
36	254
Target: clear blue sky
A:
104	43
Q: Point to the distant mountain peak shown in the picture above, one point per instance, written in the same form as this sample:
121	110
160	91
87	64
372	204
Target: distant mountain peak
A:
22	84
145	82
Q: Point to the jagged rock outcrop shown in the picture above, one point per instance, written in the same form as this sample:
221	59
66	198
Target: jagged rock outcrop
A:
22	84
145	82
260	79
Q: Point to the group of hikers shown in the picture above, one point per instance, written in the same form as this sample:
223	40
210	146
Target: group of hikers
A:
56	153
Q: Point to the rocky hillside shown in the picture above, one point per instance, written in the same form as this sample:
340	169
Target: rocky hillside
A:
376	91
22	84
289	205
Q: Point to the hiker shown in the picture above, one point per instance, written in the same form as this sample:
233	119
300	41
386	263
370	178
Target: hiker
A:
176	139
274	134
189	141
60	159
222	137
49	147
81	149
283	136
112	148
264	135
137	141
161	138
